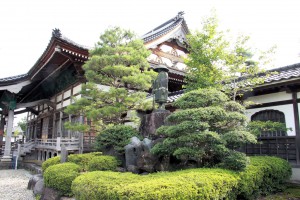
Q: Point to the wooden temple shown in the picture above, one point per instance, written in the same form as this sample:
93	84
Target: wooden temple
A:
55	80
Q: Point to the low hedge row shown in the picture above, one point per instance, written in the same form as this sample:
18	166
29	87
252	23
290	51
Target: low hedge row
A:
186	184
262	176
81	159
61	176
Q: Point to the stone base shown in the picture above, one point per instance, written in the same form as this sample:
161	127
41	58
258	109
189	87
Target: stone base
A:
151	122
6	159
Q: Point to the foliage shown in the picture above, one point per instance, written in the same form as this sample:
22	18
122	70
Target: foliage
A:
258	127
60	177
263	174
206	55
205	128
83	160
49	162
216	60
118	74
103	163
80	159
186	184
116	137
234	161
240	62
23	124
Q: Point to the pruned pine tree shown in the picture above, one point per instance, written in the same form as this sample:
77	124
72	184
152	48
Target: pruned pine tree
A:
118	77
207	129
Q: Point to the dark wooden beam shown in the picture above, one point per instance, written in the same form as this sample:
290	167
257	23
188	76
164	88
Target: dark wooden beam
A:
297	128
35	103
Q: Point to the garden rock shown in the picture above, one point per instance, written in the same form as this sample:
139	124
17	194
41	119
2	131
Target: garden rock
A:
39	187
33	180
50	194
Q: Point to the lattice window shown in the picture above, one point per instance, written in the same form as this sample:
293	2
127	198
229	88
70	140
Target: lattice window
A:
270	115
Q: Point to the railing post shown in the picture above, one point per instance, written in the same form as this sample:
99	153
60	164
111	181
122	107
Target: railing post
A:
58	143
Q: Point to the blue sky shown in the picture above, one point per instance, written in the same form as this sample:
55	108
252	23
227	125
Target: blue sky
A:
26	26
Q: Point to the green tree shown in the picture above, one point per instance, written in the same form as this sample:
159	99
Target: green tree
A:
243	71
207	52
207	129
215	61
118	75
23	124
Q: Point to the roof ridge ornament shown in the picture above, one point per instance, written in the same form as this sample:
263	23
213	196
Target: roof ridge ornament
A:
179	15
56	33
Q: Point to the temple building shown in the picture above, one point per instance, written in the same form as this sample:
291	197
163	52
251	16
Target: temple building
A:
55	80
56	77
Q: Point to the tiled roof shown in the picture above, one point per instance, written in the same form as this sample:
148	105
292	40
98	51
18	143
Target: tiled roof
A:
284	73
174	96
166	28
13	78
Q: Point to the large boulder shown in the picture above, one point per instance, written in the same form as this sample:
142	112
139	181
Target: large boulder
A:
33	180
39	187
50	194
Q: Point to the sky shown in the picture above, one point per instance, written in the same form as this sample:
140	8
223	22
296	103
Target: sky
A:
26	26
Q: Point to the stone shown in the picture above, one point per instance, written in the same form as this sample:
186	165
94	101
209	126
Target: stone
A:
132	151
33	180
39	187
151	122
63	154
50	194
133	169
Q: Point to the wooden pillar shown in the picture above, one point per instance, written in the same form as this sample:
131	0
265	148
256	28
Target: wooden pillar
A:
7	150
297	128
2	124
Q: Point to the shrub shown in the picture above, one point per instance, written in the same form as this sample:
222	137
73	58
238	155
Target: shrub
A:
103	163
60	177
116	137
263	176
50	162
235	161
185	184
83	159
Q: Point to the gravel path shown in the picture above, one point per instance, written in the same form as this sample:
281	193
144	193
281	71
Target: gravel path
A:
13	185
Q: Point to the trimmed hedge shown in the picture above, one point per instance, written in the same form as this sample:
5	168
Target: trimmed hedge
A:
50	162
83	159
186	184
60	177
103	163
262	176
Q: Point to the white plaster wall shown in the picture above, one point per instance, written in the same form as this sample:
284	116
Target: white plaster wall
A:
286	109
280	96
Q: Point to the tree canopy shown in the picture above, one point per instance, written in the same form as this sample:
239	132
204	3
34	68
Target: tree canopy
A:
207	129
118	75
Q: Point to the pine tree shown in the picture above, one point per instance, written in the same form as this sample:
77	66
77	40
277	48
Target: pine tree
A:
118	77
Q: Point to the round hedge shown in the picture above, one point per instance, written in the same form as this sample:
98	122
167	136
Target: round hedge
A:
49	162
103	163
60	177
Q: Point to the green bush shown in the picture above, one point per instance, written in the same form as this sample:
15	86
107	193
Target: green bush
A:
103	163
60	177
116	137
262	176
50	162
185	184
83	159
235	161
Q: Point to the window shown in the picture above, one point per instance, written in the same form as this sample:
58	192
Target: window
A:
270	115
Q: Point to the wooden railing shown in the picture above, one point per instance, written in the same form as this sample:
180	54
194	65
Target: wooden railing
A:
57	143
